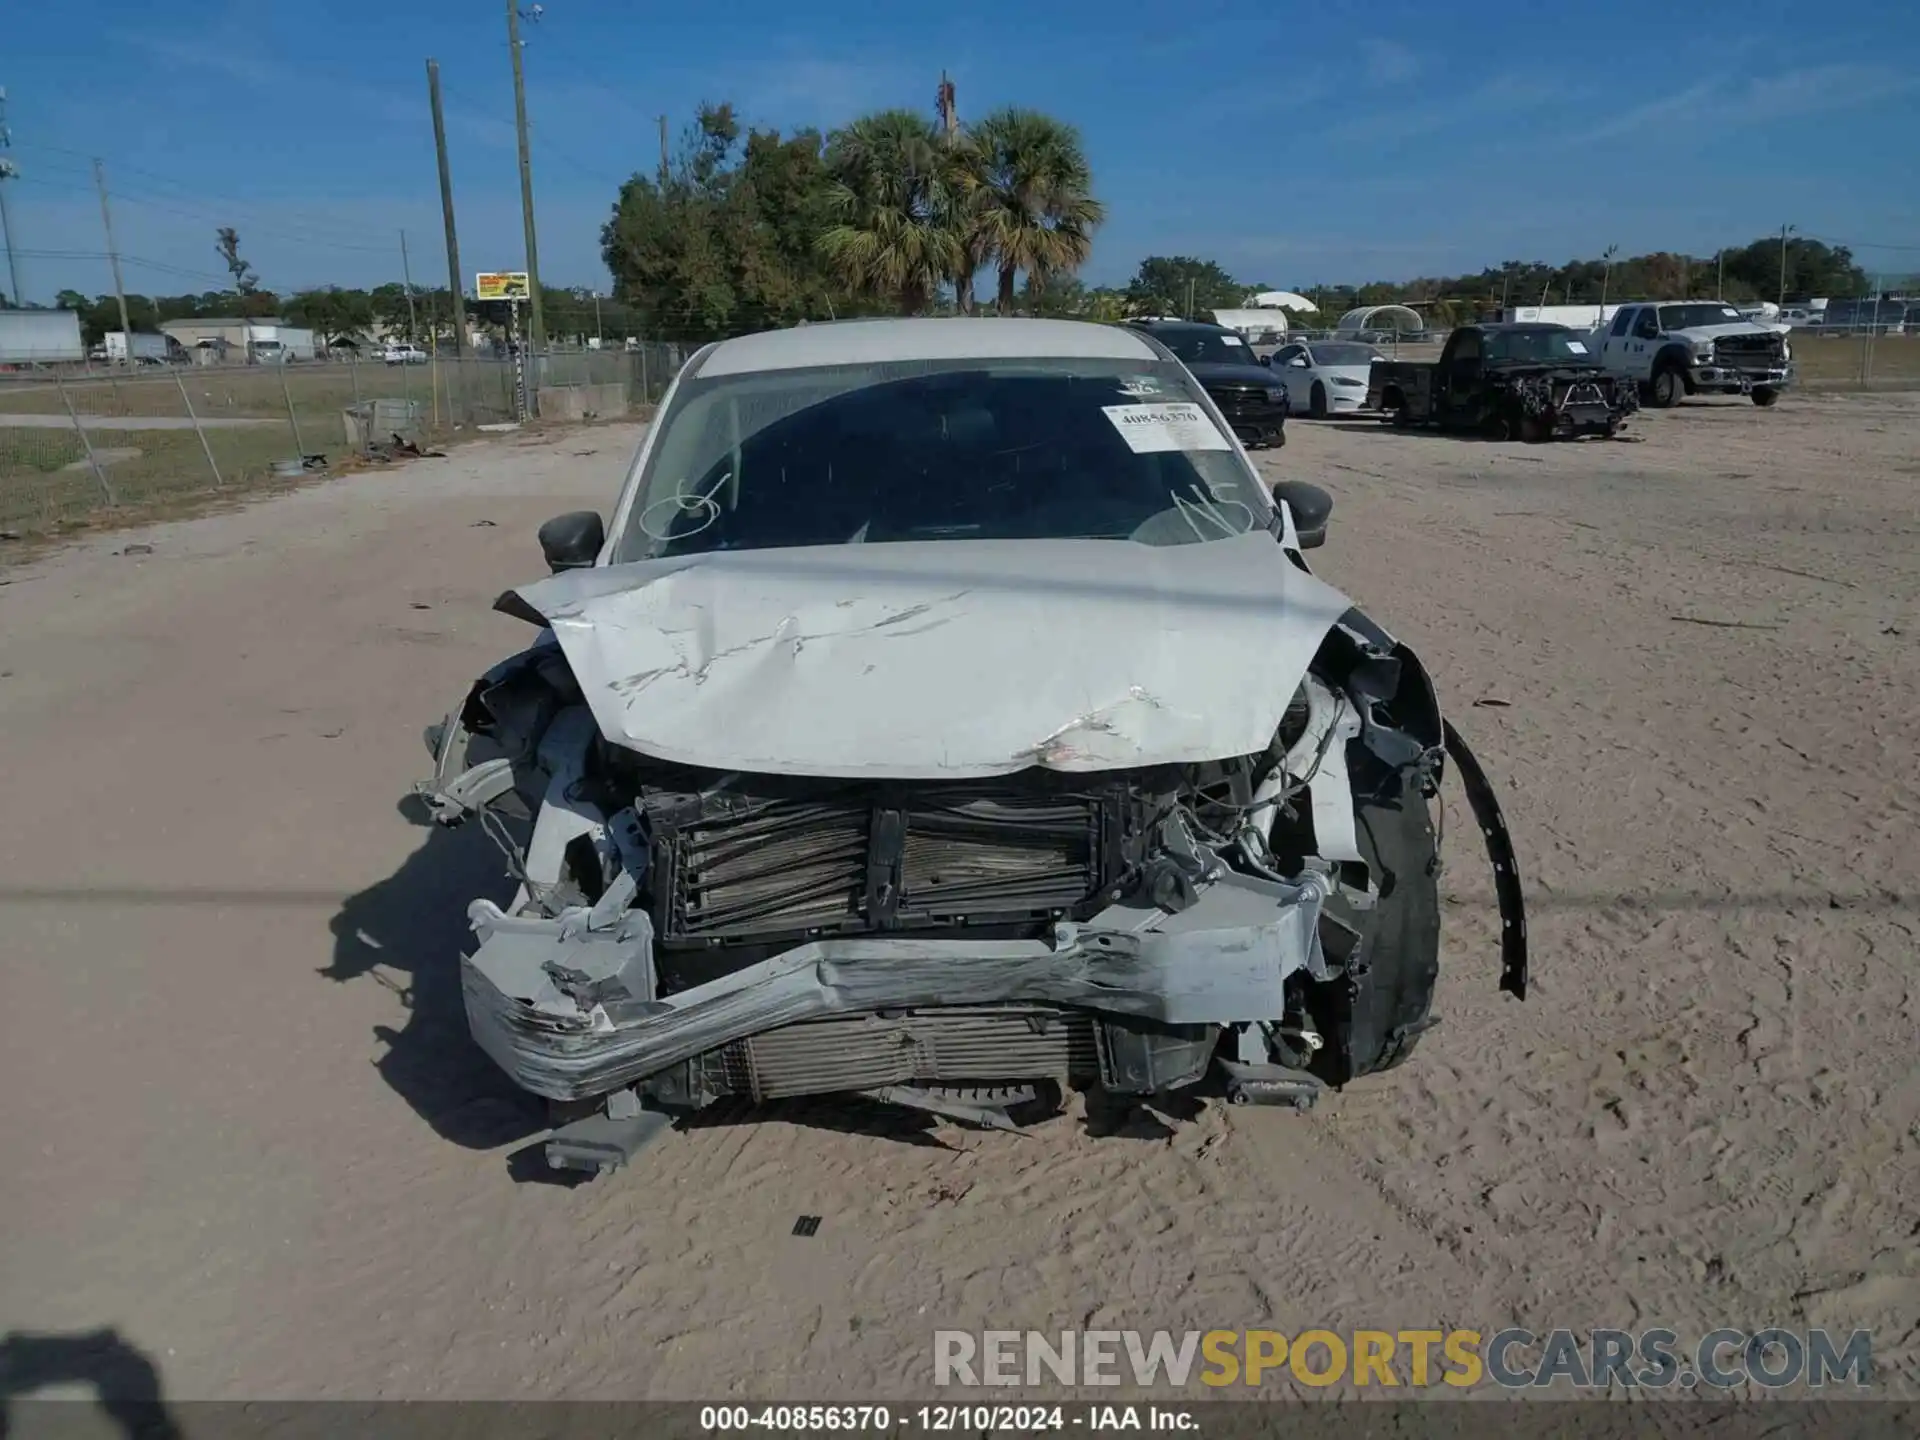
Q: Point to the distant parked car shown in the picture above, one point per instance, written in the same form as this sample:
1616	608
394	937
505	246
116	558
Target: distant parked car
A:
1325	376
404	355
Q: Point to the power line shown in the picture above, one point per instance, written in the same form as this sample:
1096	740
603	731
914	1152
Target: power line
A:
147	203
181	192
1871	245
144	263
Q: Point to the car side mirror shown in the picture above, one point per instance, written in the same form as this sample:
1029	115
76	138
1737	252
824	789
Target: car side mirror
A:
572	541
1311	508
1267	360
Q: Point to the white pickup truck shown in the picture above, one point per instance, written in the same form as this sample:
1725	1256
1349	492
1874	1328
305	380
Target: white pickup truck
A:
1695	347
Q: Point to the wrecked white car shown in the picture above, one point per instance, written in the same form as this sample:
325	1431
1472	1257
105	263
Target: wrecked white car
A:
947	715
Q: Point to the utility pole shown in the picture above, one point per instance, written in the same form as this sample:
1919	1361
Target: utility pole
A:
406	274
8	170
454	285
598	333
949	112
1190	297
537	336
113	255
663	150
1785	231
1606	277
1720	275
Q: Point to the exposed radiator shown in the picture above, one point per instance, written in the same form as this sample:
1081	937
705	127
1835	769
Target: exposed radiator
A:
795	864
733	868
950	1045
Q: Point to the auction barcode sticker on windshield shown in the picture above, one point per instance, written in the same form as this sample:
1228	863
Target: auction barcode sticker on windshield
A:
1148	428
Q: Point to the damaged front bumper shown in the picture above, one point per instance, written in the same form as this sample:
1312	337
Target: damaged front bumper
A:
1741	378
569	1008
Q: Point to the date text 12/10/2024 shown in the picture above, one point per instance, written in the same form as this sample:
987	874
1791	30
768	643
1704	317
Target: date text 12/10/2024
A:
941	1419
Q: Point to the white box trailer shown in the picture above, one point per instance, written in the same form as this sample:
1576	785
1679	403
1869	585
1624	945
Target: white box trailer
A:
145	347
1574	317
40	337
279	342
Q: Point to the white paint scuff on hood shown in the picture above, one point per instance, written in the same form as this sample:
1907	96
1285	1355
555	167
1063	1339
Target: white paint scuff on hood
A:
946	659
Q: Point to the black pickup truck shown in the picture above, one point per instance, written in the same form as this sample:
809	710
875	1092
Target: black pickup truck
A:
1537	382
1251	398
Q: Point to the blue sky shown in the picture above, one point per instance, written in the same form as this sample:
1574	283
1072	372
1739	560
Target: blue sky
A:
1298	144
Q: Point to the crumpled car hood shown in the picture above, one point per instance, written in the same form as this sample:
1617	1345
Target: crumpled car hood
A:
946	659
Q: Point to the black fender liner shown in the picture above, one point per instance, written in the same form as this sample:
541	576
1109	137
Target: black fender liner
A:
1417	707
1506	868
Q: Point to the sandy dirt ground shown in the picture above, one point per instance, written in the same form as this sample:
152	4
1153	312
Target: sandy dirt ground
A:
246	1130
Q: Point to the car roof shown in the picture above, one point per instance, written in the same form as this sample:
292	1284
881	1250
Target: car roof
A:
856	342
1509	327
1155	327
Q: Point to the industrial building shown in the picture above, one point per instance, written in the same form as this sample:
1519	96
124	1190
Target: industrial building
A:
218	340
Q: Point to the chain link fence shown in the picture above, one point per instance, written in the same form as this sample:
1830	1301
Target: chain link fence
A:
72	444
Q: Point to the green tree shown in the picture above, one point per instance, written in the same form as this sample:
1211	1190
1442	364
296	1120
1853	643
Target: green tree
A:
1034	210
388	304
1183	285
897	219
743	230
331	313
726	239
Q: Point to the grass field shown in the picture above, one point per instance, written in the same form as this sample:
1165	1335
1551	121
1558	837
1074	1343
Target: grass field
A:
1838	361
478	388
264	392
45	479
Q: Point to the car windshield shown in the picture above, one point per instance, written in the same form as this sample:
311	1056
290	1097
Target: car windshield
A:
1205	347
1536	345
939	450
1686	317
1344	354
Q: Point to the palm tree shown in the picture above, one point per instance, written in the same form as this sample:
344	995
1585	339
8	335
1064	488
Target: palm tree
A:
968	197
894	206
1035	210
